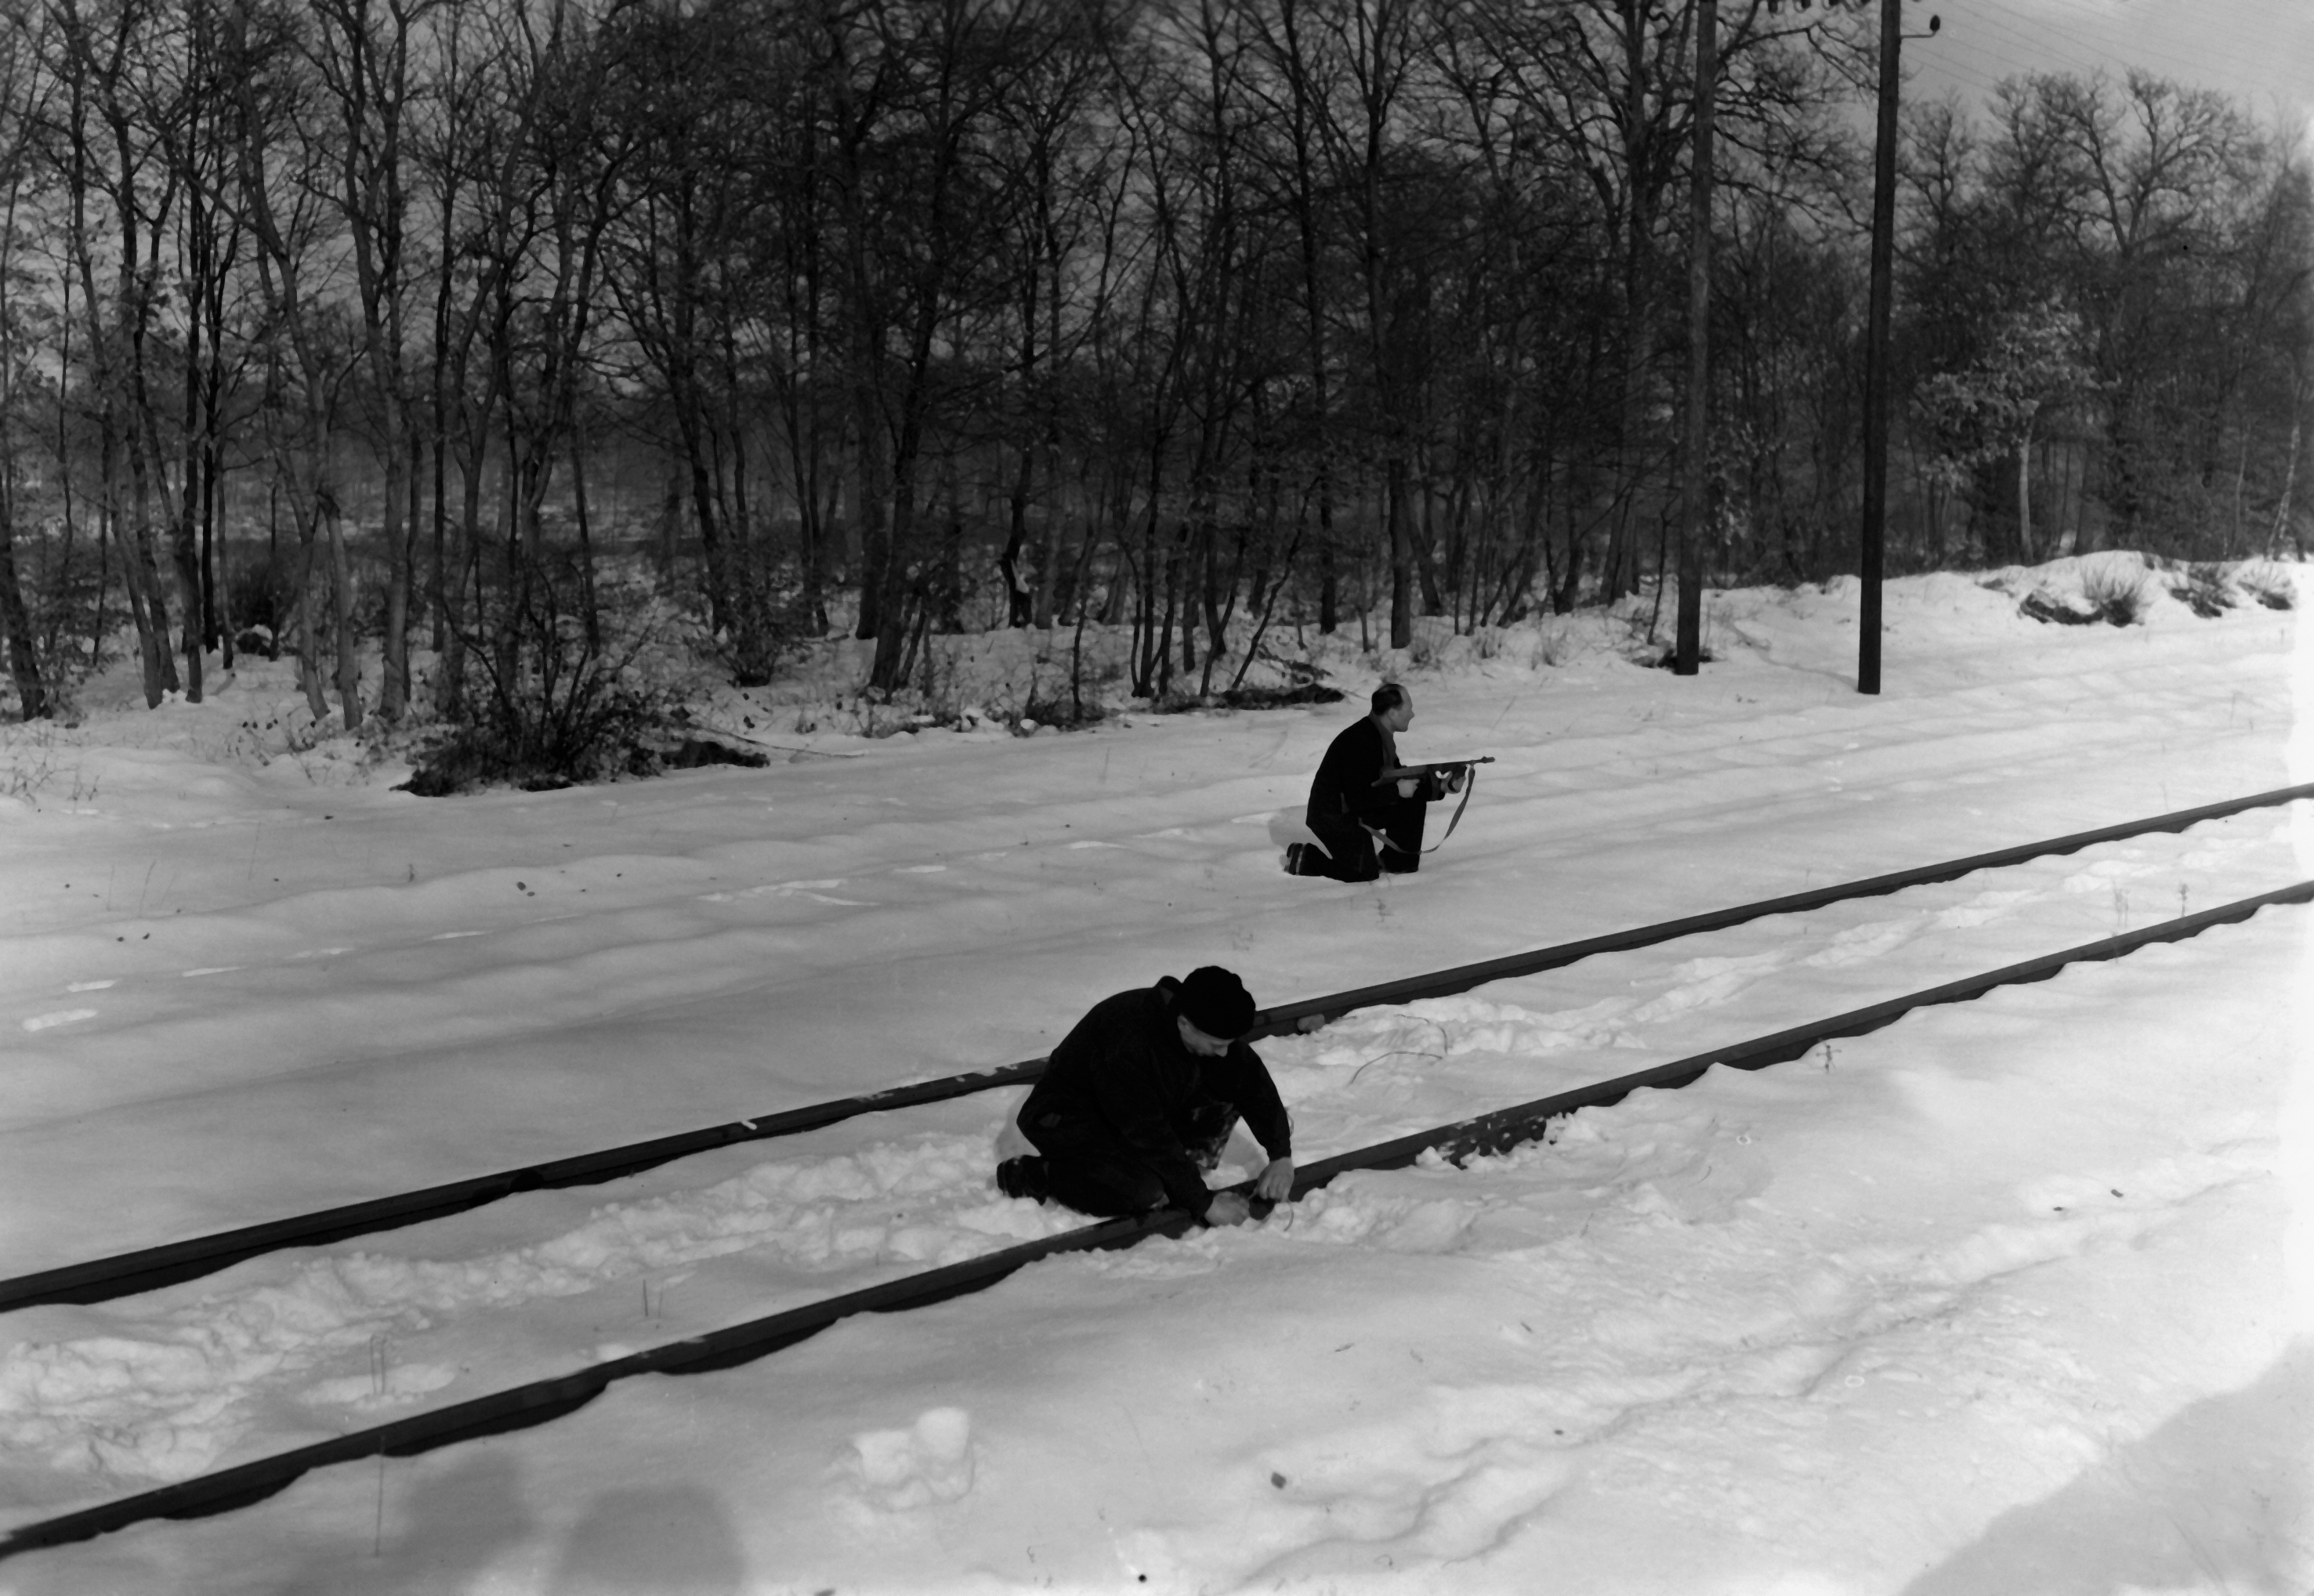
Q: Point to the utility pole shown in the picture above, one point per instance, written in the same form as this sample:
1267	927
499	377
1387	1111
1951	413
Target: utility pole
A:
1696	513
1875	343
1876	349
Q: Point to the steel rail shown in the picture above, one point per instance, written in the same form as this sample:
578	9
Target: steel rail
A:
149	1268
523	1407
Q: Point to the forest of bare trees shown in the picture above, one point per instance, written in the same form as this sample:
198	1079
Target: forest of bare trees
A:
367	330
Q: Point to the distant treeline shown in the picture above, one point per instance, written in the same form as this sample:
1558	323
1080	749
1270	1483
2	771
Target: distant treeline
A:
1190	313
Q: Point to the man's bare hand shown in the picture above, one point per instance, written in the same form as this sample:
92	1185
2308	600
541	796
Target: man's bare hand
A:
1406	786
1228	1208
1274	1184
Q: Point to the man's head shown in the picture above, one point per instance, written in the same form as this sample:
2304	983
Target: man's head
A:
1394	707
1212	1010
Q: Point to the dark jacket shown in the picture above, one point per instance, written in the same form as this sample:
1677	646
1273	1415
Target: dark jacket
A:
1121	1079
1345	781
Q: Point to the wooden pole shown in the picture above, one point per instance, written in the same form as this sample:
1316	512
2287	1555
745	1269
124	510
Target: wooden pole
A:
1696	513
1875	350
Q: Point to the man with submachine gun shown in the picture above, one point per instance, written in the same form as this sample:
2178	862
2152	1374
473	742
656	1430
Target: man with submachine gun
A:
1366	809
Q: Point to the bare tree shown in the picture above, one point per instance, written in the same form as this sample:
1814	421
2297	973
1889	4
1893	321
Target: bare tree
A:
362	54
104	157
283	167
21	87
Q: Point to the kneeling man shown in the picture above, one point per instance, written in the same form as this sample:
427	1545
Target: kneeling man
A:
1139	1099
1365	809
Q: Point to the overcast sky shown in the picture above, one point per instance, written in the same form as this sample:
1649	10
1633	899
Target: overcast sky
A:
2258	51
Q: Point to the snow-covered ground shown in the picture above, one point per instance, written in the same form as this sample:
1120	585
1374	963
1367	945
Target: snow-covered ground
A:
2012	1296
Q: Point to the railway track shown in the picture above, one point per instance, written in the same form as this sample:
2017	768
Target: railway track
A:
536	1402
145	1269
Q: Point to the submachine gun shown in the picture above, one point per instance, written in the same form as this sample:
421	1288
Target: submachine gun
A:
1440	767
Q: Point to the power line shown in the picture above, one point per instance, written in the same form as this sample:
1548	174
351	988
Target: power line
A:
1982	46
2048	50
2044	39
2247	48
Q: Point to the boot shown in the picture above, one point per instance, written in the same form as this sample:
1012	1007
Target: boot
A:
1024	1176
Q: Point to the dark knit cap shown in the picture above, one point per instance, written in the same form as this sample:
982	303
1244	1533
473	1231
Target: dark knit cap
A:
1216	1002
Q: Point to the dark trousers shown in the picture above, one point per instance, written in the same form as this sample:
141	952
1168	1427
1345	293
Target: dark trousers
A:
1097	1173
1353	849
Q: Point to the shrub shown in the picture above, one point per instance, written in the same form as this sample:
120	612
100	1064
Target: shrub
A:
559	702
2267	584
1061	708
2201	588
254	600
2115	592
769	622
2047	607
1251	697
1270	698
1076	698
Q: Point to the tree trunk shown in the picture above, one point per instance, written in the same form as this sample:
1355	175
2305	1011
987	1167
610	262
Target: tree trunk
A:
2284	526
393	679
1695	511
341	611
896	588
220	585
591	613
185	557
2025	499
15	620
1401	555
872	504
1021	594
156	672
309	641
